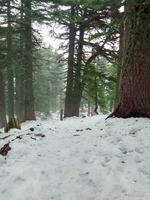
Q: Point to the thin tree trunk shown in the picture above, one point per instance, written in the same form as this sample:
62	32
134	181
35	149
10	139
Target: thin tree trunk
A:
61	114
89	109
70	73
2	102
96	97
29	97
134	96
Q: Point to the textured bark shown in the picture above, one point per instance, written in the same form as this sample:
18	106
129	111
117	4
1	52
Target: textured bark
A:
2	102
29	97
119	65
134	97
70	73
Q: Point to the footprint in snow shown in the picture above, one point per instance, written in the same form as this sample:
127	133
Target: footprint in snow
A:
42	172
89	181
76	135
133	132
85	174
137	159
20	179
123	150
139	150
107	159
145	171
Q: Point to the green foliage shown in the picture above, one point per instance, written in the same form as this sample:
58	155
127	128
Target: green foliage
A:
101	83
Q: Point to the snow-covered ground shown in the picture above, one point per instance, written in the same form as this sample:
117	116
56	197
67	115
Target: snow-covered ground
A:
78	159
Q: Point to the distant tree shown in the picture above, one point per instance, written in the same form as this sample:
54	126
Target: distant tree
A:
48	82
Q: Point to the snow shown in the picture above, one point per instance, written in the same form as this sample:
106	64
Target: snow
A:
78	159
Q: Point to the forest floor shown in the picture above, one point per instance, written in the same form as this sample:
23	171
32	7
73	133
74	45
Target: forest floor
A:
77	159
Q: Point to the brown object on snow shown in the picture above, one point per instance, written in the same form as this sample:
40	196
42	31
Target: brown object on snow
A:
4	150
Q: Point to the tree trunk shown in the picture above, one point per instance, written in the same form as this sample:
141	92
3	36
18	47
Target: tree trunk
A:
96	96
10	74
29	97
134	96
10	92
20	74
77	90
2	102
89	109
61	114
19	100
70	73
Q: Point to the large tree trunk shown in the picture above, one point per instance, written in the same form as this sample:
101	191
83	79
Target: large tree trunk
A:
77	90
29	97
2	102
134	96
10	74
70	73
